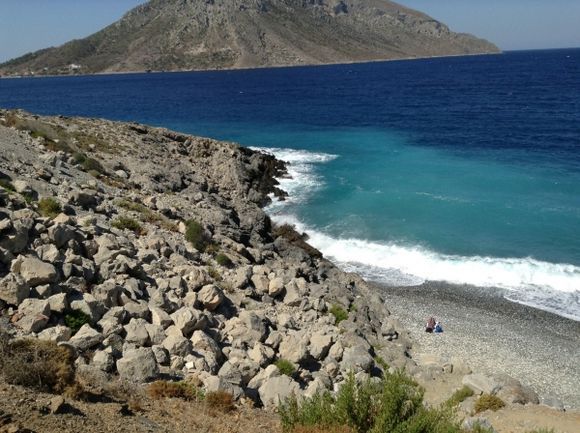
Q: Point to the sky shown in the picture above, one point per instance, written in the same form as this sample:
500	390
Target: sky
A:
29	25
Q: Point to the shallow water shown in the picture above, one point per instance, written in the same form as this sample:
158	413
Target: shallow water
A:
464	170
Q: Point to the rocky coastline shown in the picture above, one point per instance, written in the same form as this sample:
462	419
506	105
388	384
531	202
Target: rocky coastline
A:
148	254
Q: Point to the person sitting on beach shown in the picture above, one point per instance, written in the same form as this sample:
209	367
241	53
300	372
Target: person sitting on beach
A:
438	328
430	325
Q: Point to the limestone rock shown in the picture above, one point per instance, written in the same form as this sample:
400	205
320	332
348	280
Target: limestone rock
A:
276	390
33	315
211	297
36	272
85	338
138	365
13	289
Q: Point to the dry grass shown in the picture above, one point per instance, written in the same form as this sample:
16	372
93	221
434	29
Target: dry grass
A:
318	429
488	402
220	400
182	390
42	365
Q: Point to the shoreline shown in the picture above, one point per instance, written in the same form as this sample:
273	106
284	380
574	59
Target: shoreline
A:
492	335
251	68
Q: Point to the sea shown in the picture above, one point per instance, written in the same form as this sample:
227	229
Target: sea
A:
464	170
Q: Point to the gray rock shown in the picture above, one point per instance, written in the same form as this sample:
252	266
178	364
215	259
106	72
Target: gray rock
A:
60	234
58	303
161	354
186	320
136	332
473	423
13	289
103	361
356	359
36	272
177	345
138	365
86	338
320	345
211	297
58	334
276	390
275	287
34	315
481	383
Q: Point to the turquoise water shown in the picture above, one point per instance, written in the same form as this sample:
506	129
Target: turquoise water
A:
465	170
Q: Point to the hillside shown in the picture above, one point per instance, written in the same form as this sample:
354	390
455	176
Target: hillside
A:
216	34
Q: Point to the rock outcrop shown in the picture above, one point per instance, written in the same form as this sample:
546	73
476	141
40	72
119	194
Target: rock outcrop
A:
128	269
216	34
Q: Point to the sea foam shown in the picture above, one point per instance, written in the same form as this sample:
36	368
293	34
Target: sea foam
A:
549	286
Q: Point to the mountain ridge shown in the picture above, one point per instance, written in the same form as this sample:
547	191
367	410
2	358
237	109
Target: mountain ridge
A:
224	34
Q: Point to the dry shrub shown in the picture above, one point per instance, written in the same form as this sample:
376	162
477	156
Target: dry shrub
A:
42	365
319	429
182	390
220	400
488	402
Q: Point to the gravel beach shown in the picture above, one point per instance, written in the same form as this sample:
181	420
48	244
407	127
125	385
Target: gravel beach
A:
494	335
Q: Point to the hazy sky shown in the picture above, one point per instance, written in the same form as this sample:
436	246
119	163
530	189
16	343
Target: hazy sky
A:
28	25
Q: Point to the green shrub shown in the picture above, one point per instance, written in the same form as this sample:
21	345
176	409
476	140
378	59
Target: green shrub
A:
7	185
488	402
75	320
285	367
49	207
79	157
288	232
381	362
339	313
214	273
38	364
91	165
224	260
127	223
195	234
459	396
393	404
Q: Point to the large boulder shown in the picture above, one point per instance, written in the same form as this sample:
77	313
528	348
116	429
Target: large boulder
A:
211	297
33	315
13	289
481	383
277	389
138	365
85	338
34	271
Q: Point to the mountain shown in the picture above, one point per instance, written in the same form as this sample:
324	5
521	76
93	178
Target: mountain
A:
217	34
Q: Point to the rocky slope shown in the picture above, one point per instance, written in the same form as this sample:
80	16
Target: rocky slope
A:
96	233
196	34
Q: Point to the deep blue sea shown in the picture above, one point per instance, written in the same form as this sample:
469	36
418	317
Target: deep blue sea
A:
463	169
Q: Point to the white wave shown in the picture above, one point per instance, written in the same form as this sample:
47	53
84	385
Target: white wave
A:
302	180
549	286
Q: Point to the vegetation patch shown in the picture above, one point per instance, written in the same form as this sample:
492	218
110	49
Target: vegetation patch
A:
195	234
92	166
49	207
146	214
75	320
288	232
127	223
214	273
220	400
224	260
339	313
7	185
488	402
285	367
42	365
393	404
459	396
182	390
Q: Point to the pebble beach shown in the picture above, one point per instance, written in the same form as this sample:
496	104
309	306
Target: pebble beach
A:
492	334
